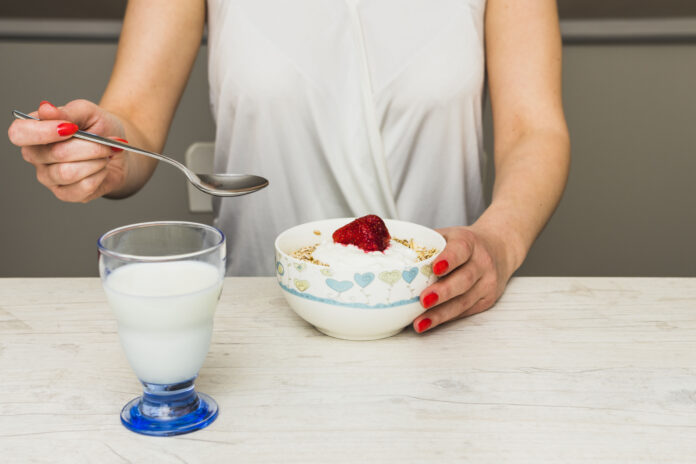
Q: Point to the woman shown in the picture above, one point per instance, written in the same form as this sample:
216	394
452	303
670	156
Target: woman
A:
348	107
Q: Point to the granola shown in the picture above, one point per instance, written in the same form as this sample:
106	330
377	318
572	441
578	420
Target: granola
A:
423	253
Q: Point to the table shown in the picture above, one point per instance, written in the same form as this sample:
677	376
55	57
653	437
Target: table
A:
560	370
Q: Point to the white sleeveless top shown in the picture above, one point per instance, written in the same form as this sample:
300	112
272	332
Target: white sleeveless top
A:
347	107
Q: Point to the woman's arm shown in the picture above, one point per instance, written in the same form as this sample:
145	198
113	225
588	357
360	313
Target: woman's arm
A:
532	147
158	44
532	158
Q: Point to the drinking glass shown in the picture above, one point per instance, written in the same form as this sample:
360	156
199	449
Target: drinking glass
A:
163	281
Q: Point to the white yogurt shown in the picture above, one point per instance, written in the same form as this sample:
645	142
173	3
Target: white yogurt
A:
165	316
394	257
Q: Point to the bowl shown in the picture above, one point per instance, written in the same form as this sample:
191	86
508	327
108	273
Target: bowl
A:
354	303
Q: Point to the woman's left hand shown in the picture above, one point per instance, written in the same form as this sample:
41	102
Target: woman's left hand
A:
473	270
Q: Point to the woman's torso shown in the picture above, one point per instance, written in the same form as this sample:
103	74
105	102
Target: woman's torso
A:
348	108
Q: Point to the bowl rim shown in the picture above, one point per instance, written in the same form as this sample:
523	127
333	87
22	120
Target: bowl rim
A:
354	268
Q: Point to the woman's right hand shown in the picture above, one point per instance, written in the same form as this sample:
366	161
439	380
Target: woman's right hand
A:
74	170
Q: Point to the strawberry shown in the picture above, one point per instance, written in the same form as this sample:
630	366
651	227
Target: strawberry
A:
367	233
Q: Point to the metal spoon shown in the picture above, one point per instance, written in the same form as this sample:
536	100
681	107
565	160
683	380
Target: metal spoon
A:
221	185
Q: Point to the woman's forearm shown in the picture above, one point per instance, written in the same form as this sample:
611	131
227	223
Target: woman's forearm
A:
532	150
529	181
158	45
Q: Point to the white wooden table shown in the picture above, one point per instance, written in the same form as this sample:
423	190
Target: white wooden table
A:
561	370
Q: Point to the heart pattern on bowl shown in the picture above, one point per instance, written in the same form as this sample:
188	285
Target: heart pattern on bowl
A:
390	277
301	285
364	279
409	274
339	285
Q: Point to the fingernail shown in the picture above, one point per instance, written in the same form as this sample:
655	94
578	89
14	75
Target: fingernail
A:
423	325
67	128
440	267
429	300
44	102
118	150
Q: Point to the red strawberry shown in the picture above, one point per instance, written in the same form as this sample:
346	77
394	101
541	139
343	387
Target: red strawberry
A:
367	233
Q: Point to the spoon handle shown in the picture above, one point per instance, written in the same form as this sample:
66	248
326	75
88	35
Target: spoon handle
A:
116	144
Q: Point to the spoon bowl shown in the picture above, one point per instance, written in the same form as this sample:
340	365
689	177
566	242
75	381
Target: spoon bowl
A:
221	185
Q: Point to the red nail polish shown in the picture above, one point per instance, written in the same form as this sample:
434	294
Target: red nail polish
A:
44	102
67	128
440	267
424	325
118	150
430	299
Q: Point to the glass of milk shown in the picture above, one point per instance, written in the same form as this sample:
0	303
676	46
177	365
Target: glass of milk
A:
163	281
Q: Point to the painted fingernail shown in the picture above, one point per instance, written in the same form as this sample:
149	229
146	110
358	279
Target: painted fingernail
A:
44	102
118	150
424	324
440	267
429	300
67	128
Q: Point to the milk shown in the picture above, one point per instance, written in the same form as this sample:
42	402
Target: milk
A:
165	316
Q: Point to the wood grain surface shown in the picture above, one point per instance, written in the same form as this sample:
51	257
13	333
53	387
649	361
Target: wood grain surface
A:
560	370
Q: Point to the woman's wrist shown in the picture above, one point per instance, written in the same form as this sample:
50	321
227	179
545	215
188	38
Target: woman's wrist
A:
506	238
136	169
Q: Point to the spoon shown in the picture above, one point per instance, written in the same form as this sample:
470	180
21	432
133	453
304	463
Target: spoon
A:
221	185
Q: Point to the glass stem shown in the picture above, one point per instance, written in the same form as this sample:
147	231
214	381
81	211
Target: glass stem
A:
168	401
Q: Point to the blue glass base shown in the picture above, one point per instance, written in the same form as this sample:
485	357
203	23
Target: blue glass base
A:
166	410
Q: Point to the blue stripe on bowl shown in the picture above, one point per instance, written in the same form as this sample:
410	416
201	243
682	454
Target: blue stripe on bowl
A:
347	305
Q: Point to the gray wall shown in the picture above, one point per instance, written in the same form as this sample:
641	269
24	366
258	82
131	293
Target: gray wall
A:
628	210
41	236
113	9
630	205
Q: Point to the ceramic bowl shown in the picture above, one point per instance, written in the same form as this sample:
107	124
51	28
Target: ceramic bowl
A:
348	302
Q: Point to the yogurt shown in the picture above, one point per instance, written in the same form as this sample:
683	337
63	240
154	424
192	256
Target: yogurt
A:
165	316
394	257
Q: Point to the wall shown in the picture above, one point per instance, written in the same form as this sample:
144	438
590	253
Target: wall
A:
628	210
630	205
41	236
114	9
